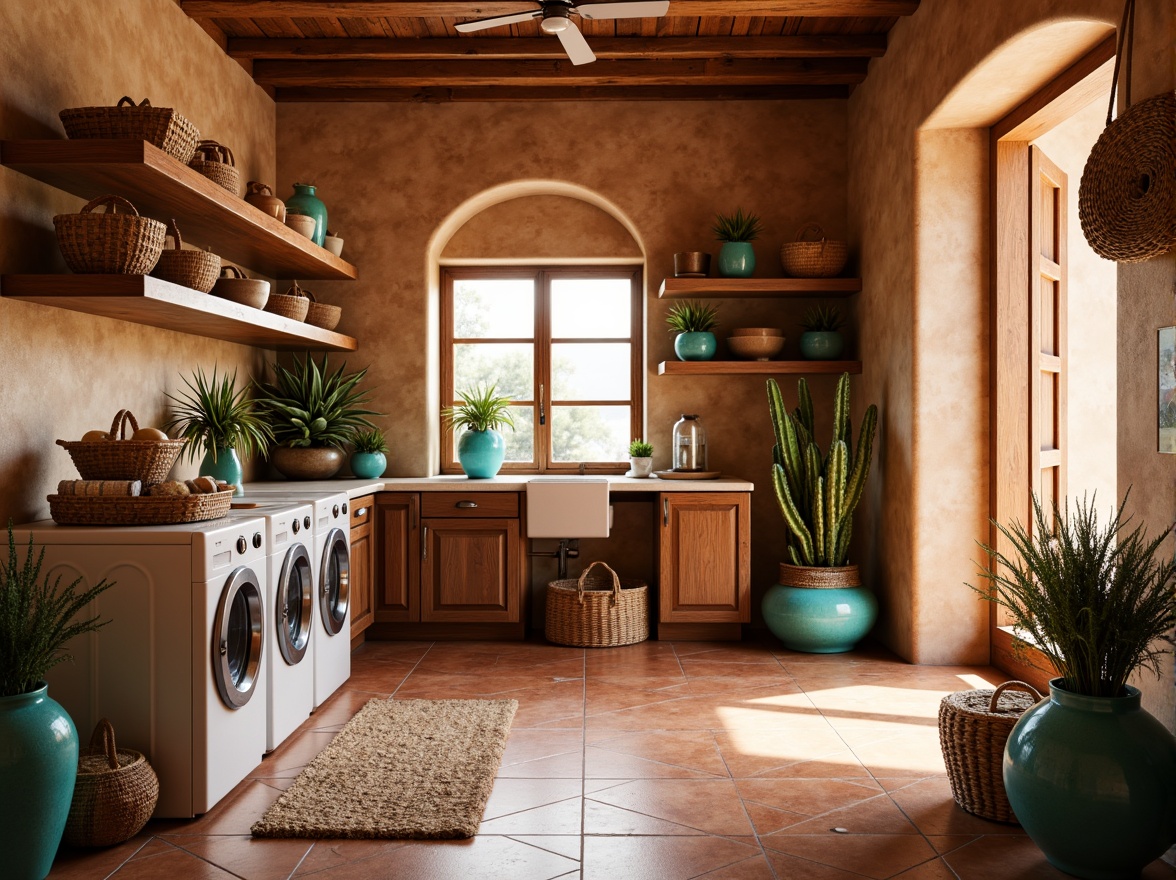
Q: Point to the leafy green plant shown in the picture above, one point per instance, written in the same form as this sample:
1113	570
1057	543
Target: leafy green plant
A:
737	226
371	440
640	449
212	416
311	406
481	409
1095	601
692	317
825	318
818	495
37	619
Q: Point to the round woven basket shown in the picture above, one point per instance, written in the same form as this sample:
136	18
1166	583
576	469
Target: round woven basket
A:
292	304
819	578
597	611
195	269
322	315
161	126
109	243
115	793
215	161
820	258
121	459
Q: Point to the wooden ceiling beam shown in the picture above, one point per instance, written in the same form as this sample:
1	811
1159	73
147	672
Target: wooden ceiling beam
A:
453	74
807	46
440	95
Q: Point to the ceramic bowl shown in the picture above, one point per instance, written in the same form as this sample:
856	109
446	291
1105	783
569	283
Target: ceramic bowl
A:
755	348
334	244
757	331
302	224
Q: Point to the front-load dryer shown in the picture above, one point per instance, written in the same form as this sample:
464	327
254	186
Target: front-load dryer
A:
180	669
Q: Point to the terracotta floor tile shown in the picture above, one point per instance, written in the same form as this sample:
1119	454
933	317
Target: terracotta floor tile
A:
566	845
935	870
84	864
562	817
767	820
754	868
173	865
290	757
1002	857
601	818
878	815
515	795
807	797
712	806
752	752
486	857
945	843
527	745
601	763
795	868
328	854
659	858
248	858
874	855
566	766
690	749
339	709
234	815
610	696
930	806
904	755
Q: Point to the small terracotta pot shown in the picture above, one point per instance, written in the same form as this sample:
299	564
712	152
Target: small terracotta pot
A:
262	197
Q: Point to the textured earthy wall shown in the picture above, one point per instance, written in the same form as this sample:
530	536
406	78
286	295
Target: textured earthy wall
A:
65	373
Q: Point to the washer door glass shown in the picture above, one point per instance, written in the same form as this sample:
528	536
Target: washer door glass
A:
237	638
293	598
335	582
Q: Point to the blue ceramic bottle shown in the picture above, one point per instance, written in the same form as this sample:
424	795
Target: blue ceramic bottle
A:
304	201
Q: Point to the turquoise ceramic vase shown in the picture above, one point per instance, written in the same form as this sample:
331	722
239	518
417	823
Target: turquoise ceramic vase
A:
736	259
481	453
829	614
38	768
368	465
695	346
304	201
821	345
227	467
1092	780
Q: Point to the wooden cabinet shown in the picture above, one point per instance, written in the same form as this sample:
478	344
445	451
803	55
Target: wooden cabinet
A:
704	567
470	570
362	561
397	570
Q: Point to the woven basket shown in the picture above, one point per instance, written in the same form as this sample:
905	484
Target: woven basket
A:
322	314
141	510
114	795
161	126
292	304
820	577
122	459
973	729
109	243
195	269
813	259
215	161
597	611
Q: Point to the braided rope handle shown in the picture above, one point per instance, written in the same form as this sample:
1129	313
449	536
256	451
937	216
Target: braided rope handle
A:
257	188
298	291
1017	685
174	231
118	428
816	228
111	203
103	738
213	151
127	102
230	271
616	593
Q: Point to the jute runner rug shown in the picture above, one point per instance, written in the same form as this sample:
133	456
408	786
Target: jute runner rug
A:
398	769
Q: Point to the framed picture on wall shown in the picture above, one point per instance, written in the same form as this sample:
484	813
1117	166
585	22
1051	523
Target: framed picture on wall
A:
1167	386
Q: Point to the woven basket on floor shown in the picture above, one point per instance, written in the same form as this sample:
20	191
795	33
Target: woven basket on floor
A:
973	728
597	611
322	315
109	243
215	161
123	459
820	258
195	269
292	304
115	793
161	126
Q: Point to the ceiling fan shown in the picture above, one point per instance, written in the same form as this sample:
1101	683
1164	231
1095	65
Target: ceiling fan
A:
556	19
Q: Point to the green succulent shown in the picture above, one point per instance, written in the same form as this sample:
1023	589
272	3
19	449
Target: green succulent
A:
822	319
371	441
213	416
692	317
640	449
737	227
481	409
311	406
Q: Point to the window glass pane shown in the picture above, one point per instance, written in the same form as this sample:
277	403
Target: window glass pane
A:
590	433
509	366
498	307
590	371
591	307
520	443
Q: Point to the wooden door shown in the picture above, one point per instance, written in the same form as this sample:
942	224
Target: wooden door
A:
362	561
470	571
397	582
705	557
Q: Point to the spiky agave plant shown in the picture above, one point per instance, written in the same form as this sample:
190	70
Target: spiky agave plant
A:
737	226
640	449
822	319
817	495
212	415
311	406
370	441
692	317
481	409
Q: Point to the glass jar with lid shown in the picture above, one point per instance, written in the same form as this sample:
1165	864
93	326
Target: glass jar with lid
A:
689	443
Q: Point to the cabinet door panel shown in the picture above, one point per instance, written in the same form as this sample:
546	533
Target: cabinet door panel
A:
705	555
471	570
362	600
397	591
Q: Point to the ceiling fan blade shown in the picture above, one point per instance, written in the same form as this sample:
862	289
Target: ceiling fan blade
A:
498	21
575	45
646	9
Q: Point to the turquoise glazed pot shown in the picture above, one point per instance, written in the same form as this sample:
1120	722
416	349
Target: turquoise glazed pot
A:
1092	781
695	346
481	453
38	768
227	467
819	620
821	345
304	201
368	465
736	259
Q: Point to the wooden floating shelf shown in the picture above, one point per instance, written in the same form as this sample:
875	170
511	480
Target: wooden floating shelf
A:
754	288
142	299
208	215
756	368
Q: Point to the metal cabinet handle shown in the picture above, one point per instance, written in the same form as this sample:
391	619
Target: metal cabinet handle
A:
542	407
467	505
665	511
361	512
424	542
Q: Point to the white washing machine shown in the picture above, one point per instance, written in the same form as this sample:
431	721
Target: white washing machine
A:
180	670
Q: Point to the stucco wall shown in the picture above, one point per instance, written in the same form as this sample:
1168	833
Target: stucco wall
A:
65	373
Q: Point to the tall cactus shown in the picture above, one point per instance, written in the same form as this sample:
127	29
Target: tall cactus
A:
817	495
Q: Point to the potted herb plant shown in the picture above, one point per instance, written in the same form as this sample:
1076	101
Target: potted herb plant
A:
737	231
1090	775
821	339
481	449
369	455
820	605
640	459
694	324
212	415
313	414
39	757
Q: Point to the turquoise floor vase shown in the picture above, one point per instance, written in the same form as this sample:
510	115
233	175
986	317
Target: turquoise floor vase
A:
481	453
1092	781
368	465
819	610
736	259
38	768
227	467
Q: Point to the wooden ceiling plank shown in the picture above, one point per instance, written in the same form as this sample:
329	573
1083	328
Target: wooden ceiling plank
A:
441	95
457	9
279	28
214	30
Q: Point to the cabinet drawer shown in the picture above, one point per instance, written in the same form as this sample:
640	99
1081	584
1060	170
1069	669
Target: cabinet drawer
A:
361	510
470	504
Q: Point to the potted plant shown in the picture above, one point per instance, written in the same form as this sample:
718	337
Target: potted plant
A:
737	232
39	758
313	414
820	605
694	324
821	340
1090	775
640	459
480	448
212	415
369	456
